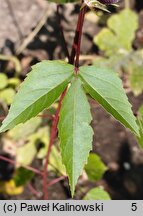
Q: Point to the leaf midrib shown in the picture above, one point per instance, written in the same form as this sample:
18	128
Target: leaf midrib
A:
74	131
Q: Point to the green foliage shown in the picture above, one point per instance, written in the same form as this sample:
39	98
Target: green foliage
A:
41	88
119	35
116	42
106	88
22	176
95	168
74	131
97	194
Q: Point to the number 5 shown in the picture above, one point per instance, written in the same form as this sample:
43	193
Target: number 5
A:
134	207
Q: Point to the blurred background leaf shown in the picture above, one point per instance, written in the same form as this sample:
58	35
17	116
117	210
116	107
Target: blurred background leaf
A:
97	194
95	168
119	35
3	81
22	176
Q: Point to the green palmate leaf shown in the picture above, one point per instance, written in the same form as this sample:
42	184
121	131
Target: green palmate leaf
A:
97	194
105	87
95	168
119	35
41	88
74	132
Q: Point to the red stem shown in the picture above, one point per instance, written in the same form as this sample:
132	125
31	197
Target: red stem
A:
56	180
52	137
77	38
33	190
79	29
74	53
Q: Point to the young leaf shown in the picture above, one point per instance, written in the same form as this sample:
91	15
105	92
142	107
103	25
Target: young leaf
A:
41	88
75	132
105	87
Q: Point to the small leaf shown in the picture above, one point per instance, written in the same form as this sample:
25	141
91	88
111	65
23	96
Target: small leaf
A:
75	132
97	194
106	87
3	81
22	176
41	88
95	168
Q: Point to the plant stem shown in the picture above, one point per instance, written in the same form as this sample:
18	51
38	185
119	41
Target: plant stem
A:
56	180
33	190
77	39
52	137
74	54
79	28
